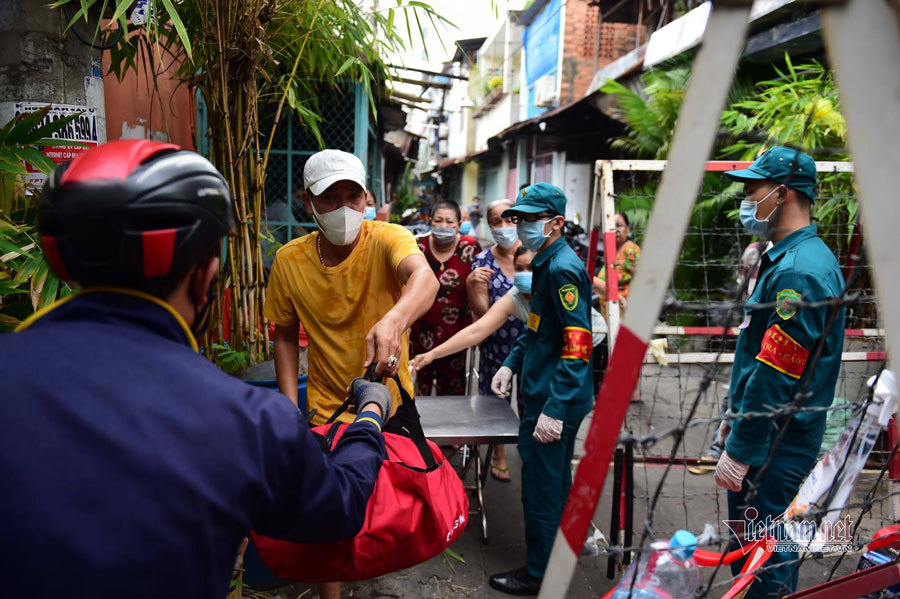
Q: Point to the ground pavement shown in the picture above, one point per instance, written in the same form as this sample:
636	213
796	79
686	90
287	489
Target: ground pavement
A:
688	500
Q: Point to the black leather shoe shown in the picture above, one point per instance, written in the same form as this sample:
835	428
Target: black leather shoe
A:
517	582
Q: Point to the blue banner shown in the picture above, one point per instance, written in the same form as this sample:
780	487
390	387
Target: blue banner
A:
541	41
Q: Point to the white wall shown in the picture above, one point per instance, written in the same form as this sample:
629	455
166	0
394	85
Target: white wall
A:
577	185
493	121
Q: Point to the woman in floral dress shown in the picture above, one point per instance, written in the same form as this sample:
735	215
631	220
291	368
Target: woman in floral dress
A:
450	256
491	278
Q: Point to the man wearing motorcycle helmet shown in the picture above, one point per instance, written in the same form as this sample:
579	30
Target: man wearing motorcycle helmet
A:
135	467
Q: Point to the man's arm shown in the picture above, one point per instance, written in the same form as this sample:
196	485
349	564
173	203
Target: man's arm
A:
315	497
572	305
421	287
780	363
287	359
517	352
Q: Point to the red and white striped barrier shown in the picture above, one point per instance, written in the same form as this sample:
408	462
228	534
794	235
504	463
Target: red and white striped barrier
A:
694	134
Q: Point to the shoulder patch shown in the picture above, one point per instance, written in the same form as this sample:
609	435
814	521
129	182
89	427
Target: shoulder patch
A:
786	303
568	295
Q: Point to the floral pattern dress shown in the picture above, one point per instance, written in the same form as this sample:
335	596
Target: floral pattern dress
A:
626	259
495	348
448	315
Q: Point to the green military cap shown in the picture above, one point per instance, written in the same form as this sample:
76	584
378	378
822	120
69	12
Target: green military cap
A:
540	197
784	165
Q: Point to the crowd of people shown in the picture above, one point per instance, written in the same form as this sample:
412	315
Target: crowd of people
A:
125	489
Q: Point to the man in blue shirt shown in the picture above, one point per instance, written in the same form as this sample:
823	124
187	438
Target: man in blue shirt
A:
132	466
774	347
553	356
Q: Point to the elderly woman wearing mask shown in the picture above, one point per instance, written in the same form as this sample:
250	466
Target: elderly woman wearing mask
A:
450	256
492	276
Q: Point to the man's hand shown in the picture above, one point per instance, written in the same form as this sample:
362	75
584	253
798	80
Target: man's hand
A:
481	276
382	344
372	396
502	381
423	360
730	473
547	429
723	432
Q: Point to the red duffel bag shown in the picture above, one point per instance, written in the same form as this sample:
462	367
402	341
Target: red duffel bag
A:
417	509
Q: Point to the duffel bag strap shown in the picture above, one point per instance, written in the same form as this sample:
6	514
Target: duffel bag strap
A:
414	425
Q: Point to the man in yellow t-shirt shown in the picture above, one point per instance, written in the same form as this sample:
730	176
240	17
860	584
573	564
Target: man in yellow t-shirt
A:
356	286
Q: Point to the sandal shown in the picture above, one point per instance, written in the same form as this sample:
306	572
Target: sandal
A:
497	471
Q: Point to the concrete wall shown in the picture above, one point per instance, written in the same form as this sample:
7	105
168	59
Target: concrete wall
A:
135	111
38	63
616	40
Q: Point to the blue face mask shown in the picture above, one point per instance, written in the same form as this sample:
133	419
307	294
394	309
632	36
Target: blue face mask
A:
369	214
465	227
532	234
522	281
753	224
505	237
444	235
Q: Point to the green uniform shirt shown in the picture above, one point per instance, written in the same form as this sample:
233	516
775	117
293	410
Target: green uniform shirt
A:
775	344
553	354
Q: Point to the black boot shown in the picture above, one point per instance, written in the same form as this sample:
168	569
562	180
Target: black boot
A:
517	582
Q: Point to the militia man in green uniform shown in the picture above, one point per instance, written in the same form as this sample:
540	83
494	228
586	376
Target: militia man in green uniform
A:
773	349
553	357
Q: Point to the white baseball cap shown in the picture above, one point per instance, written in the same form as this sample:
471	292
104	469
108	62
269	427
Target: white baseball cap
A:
330	166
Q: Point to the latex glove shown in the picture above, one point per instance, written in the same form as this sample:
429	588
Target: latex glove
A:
366	393
723	432
730	473
547	429
502	381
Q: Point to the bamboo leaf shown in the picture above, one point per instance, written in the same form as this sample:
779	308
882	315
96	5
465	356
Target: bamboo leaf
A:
45	131
25	123
347	63
179	26
48	293
35	159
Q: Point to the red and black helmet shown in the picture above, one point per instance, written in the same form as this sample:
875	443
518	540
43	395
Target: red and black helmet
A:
131	211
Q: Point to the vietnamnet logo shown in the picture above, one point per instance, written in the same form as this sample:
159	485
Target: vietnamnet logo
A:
783	536
460	521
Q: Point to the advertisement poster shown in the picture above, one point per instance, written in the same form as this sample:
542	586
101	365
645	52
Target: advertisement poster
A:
82	129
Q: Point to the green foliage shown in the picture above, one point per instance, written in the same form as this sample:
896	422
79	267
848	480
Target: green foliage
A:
26	282
233	362
799	106
406	197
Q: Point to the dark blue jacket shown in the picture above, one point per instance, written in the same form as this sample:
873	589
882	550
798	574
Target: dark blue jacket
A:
133	467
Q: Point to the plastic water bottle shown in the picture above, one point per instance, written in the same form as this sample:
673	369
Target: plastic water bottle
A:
667	571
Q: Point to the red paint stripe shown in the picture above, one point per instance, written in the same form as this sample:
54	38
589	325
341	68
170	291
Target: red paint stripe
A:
875	356
158	251
54	259
720	166
612	275
614	396
592	253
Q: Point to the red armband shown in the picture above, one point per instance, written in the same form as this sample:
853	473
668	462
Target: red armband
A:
577	344
782	352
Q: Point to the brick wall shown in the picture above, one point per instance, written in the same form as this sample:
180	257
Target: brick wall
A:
616	40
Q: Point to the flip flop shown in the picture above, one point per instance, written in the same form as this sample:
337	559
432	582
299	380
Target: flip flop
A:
503	469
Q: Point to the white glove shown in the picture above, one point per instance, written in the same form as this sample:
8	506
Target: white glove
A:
502	381
547	429
730	473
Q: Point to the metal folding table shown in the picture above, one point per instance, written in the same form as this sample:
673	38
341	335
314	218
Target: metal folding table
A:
470	421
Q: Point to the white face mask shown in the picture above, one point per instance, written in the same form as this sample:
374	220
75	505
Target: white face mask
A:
341	226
